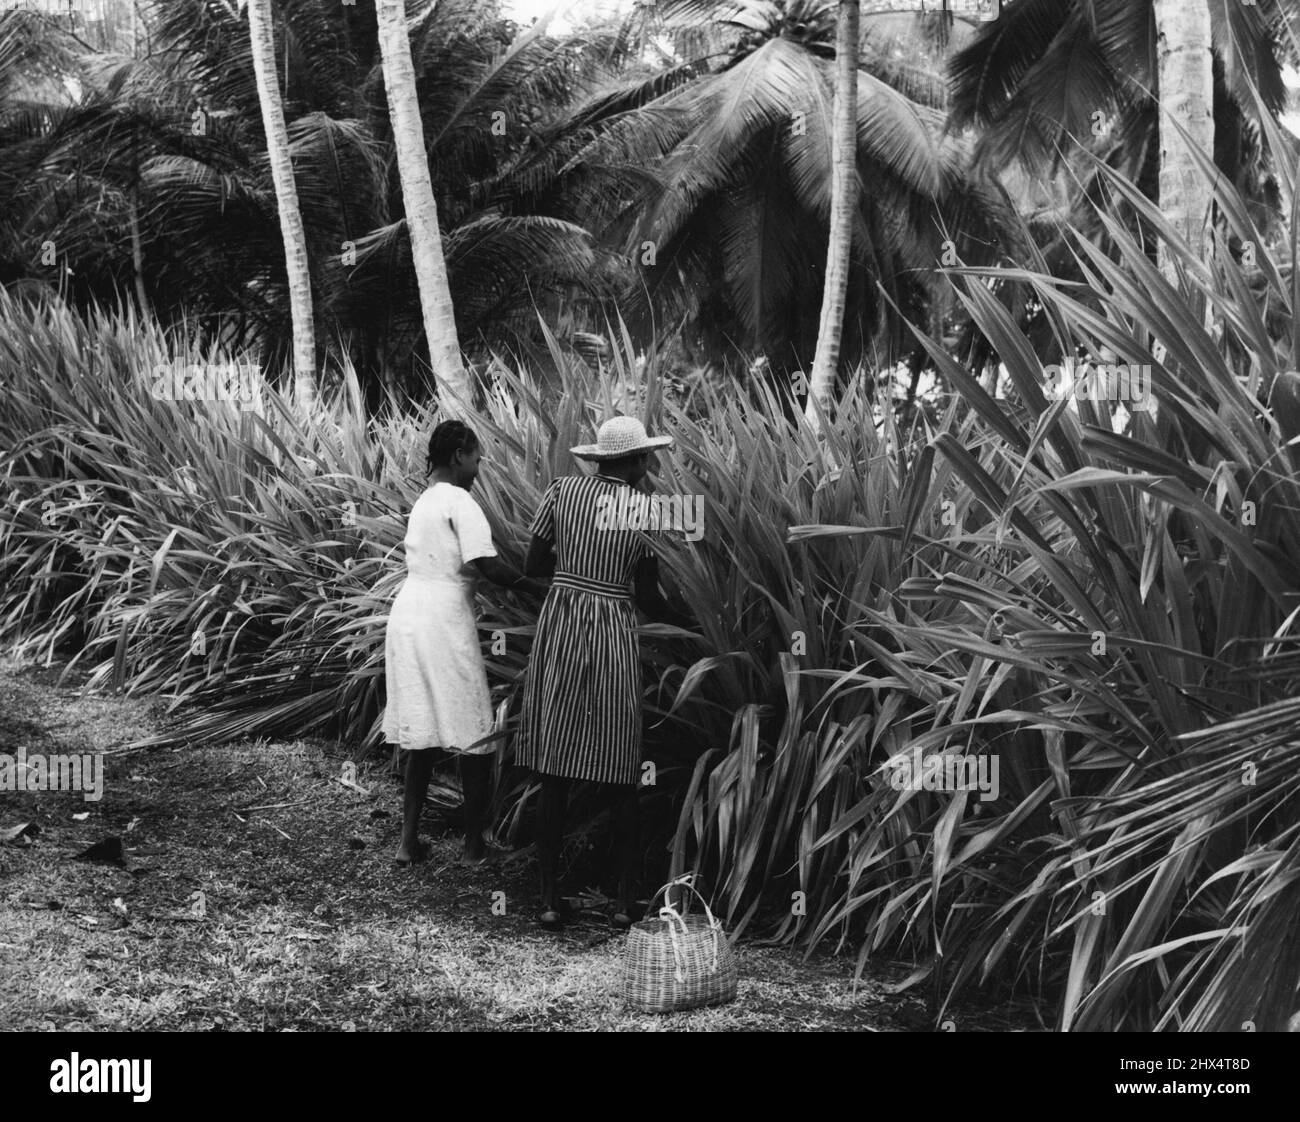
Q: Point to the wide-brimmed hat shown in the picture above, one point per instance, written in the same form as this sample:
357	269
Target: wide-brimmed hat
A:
620	436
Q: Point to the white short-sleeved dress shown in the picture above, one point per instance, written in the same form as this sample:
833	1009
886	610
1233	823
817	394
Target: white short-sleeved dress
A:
433	666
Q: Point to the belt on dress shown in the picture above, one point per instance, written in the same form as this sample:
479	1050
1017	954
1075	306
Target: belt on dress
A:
429	578
589	584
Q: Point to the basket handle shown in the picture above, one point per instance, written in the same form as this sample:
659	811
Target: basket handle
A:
687	880
669	913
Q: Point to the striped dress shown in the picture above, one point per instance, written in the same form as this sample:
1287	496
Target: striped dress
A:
582	696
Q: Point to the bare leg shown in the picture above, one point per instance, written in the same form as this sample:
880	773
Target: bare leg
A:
550	834
627	846
419	769
476	775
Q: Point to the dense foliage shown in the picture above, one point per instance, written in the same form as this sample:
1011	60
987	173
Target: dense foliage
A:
1101	600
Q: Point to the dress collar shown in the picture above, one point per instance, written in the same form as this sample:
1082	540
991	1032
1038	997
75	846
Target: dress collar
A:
611	479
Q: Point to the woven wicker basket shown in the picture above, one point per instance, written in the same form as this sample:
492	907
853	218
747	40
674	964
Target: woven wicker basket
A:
678	961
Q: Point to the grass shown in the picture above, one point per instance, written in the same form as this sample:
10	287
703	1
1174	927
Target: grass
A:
305	932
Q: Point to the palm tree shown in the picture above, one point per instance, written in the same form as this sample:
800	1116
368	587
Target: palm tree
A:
1186	85
421	206
1051	77
122	153
511	120
262	41
730	242
844	198
534	216
522	211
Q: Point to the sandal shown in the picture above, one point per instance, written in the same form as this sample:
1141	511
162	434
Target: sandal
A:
421	855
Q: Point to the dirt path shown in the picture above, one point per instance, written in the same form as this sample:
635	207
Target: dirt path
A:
222	916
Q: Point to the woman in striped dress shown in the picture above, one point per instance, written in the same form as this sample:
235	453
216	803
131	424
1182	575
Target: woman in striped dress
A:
582	697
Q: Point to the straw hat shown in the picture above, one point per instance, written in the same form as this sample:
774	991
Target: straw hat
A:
620	436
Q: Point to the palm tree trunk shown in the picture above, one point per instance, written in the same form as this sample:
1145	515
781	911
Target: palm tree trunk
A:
844	200
1186	87
421	207
137	254
262	41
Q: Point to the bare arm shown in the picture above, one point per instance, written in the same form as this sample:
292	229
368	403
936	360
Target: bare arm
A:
507	576
540	561
649	598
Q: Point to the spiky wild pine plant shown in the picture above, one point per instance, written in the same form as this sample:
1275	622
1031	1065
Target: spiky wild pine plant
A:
239	562
1142	864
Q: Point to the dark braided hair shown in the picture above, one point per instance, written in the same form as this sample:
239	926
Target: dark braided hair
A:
449	438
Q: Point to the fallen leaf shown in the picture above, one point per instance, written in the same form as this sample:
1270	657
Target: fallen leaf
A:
23	829
108	850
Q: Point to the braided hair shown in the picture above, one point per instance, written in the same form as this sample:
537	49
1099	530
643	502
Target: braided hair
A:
449	438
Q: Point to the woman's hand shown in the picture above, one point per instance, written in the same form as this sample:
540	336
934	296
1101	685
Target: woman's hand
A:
510	578
652	601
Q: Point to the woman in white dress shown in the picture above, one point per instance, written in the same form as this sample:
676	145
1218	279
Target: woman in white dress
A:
437	690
